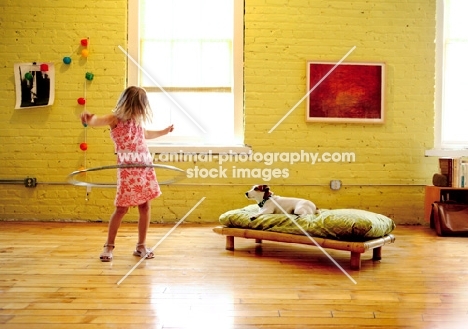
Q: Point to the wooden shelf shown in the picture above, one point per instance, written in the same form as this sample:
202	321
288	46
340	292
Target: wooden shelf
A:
435	193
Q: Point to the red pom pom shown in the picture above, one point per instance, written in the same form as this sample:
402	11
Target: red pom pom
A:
44	67
81	101
84	42
83	146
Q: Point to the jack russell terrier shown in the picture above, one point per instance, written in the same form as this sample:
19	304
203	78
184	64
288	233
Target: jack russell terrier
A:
264	196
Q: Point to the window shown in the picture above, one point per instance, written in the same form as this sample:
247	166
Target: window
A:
451	75
190	61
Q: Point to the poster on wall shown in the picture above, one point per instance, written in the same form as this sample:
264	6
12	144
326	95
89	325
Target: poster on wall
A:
352	92
35	84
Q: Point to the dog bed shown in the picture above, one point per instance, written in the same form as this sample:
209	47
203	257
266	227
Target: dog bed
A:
351	230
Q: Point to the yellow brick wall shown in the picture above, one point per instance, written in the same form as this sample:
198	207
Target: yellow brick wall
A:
389	171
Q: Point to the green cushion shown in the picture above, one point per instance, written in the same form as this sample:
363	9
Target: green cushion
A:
338	224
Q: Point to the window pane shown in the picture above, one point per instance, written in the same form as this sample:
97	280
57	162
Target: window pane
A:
186	48
186	19
214	112
455	114
217	62
457	24
453	85
155	58
204	63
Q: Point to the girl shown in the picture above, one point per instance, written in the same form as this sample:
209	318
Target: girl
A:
135	186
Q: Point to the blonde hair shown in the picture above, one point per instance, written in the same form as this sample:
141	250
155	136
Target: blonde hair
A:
133	104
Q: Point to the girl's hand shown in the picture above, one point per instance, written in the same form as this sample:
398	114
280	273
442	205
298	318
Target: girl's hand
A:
150	134
86	117
169	129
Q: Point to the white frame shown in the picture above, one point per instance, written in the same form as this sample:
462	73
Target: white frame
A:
347	119
133	76
438	150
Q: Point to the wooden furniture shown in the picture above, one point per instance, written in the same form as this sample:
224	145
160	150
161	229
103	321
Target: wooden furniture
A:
436	193
356	248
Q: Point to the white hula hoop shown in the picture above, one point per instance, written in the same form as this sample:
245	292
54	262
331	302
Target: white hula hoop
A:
71	178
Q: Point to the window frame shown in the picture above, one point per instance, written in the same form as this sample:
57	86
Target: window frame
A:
440	150
134	72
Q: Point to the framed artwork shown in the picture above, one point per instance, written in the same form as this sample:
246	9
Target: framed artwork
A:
349	92
35	85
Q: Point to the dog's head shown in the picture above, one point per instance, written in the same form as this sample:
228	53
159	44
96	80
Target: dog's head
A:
259	192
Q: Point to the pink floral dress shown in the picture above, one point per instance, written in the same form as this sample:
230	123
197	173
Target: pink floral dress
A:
134	185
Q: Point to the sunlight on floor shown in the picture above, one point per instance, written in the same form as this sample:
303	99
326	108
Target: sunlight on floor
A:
199	308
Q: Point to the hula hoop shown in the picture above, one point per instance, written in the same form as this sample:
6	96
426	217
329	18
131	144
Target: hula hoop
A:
71	178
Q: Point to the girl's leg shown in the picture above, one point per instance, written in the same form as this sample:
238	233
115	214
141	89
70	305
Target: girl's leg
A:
143	225
113	227
114	223
143	221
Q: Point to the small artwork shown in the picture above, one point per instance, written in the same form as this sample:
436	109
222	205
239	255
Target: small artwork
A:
349	92
34	85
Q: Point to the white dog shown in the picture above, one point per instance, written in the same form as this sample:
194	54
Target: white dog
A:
268	203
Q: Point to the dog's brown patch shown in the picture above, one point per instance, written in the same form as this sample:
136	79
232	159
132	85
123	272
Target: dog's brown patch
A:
261	188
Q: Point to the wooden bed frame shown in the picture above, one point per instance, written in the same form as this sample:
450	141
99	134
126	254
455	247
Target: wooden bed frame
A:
356	248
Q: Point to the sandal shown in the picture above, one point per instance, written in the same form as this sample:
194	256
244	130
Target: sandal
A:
106	255
146	253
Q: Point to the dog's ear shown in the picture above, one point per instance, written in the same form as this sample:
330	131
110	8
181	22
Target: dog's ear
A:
261	188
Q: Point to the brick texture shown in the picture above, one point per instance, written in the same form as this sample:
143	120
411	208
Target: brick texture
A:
389	170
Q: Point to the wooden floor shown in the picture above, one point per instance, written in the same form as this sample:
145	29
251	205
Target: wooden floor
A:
51	277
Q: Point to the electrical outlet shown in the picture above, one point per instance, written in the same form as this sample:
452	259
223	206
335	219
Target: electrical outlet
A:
30	182
335	184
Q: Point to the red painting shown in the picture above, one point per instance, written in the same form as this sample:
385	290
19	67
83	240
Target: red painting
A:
348	92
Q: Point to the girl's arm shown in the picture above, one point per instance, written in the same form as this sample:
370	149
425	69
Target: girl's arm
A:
93	120
150	134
